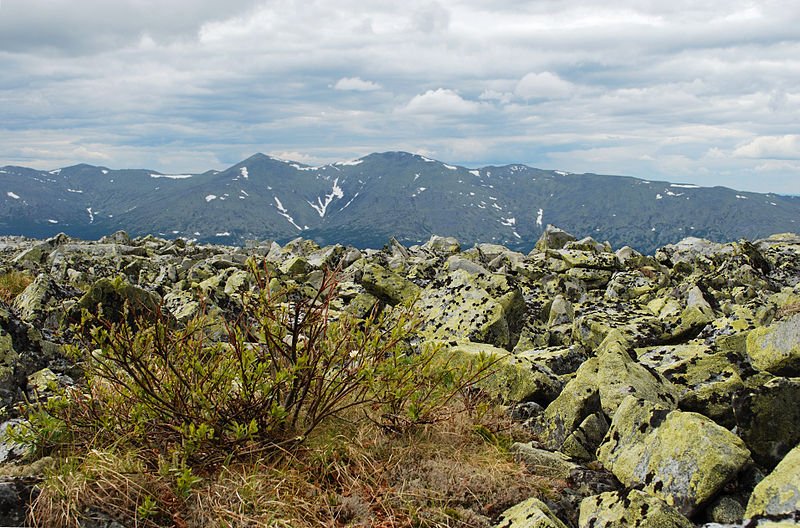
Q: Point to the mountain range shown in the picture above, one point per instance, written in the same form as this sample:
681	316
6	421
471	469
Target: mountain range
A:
366	201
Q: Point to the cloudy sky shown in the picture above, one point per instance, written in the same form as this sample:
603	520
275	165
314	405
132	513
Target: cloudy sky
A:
695	92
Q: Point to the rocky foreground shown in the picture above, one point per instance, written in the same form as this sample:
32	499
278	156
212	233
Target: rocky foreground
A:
664	389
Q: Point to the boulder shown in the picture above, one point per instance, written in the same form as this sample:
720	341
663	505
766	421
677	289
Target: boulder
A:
387	285
705	380
542	462
553	238
442	246
627	508
460	305
768	419
513	379
579	399
620	376
779	493
530	513
776	348
595	322
681	457
108	298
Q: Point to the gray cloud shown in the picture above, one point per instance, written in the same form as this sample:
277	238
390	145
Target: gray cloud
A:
699	92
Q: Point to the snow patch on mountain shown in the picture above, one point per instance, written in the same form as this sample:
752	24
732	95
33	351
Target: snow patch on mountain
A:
539	216
351	201
321	207
451	167
12	195
243	172
284	213
684	186
210	197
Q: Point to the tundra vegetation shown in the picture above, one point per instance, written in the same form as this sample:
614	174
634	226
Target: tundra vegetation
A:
152	382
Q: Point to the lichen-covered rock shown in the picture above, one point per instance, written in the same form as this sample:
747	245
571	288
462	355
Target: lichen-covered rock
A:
620	375
110	296
587	259
388	285
40	302
687	324
513	379
629	508
681	457
542	462
561	360
295	266
705	380
553	238
443	246
768	418
780	491
594	323
583	442
633	284
776	348
530	513
579	399
724	509
485	310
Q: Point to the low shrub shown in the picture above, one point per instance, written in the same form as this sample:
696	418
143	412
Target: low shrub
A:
288	399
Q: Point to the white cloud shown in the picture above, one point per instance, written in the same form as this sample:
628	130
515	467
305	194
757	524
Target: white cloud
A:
708	88
494	95
440	102
778	147
356	84
544	85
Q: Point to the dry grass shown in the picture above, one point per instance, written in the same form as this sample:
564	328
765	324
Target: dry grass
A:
787	311
13	283
442	475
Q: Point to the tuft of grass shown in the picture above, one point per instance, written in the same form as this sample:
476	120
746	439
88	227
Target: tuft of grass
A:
787	311
13	283
347	474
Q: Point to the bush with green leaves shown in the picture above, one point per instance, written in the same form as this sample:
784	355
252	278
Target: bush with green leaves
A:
289	363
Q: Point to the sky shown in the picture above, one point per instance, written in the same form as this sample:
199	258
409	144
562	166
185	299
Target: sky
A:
706	93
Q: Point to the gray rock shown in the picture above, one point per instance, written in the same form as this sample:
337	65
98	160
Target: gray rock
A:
530	513
681	457
768	419
627	508
553	238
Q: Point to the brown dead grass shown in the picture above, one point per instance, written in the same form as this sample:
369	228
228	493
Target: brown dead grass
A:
787	311
442	475
13	283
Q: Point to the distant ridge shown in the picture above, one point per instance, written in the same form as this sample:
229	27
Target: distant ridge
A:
363	202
